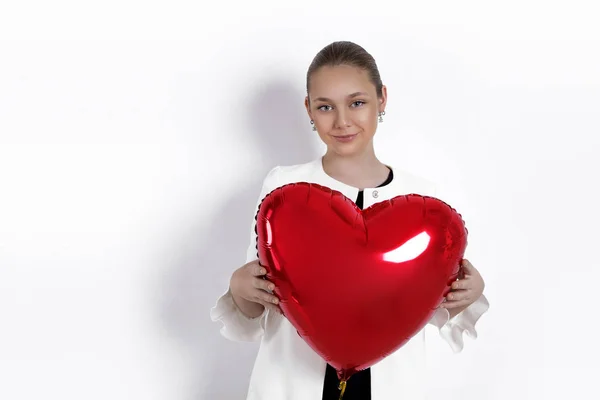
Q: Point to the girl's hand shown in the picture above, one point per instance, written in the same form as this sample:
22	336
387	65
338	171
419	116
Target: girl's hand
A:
466	290
251	292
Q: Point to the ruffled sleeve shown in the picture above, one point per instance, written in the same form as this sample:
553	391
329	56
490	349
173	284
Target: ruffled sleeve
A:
451	329
236	326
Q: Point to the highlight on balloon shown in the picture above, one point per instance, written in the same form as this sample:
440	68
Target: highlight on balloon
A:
409	250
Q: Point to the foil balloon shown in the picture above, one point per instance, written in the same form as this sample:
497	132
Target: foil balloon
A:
357	284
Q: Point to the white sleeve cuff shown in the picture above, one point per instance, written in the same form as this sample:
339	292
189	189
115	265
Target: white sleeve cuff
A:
237	326
451	330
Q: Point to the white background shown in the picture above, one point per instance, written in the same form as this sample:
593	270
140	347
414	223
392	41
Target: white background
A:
134	138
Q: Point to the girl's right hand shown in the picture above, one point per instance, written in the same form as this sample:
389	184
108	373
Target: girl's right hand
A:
250	290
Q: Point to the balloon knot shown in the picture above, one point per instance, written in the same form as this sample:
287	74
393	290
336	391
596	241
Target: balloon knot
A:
342	388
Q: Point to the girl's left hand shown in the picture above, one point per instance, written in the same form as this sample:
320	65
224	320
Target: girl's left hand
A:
466	290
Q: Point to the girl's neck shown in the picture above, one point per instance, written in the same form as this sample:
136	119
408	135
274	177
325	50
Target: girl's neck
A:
360	171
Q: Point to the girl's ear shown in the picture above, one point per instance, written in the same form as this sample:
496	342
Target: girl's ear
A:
307	105
383	99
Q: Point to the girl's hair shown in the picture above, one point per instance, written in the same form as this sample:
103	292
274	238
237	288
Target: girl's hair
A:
346	53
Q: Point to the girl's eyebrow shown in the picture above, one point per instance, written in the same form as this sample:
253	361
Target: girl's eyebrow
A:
355	94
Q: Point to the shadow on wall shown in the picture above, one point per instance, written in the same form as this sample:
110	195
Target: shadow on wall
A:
210	252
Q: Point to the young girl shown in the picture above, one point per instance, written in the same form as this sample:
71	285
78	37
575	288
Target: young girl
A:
345	102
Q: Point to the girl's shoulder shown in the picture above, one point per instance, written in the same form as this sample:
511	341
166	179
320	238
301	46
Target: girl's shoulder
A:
283	174
416	183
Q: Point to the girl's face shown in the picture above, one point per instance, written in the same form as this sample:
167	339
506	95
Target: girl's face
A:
344	106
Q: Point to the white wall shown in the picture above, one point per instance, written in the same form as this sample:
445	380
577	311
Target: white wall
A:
129	172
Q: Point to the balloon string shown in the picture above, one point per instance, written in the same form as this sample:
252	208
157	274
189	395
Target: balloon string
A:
342	388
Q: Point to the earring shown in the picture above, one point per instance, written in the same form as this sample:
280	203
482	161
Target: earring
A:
381	114
314	128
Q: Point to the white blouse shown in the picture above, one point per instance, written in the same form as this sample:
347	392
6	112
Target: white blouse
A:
286	368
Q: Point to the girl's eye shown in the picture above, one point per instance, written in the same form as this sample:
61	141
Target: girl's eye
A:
358	103
322	108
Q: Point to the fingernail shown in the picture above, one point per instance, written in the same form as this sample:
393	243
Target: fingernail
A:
263	271
271	287
275	301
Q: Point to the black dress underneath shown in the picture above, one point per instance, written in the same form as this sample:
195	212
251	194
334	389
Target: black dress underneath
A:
358	386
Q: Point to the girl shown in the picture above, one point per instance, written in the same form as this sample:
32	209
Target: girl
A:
345	102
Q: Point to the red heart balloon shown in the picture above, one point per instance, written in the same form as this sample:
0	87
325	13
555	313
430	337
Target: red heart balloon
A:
357	284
